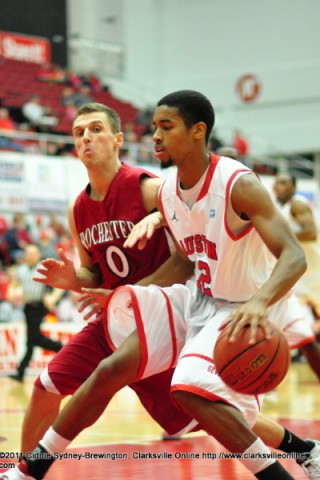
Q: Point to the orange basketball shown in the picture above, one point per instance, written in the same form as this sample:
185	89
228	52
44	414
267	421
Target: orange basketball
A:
252	369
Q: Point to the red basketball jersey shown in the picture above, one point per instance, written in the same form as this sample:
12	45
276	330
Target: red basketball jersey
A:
103	226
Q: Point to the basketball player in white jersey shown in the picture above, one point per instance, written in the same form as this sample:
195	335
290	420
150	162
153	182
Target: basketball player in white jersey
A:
225	222
300	215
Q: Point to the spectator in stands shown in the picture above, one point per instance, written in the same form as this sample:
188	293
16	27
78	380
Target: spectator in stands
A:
69	113
4	282
38	115
240	143
144	118
57	226
3	226
17	237
44	72
67	96
3	244
67	308
214	142
8	124
130	135
11	308
92	81
47	244
58	74
83	96
51	73
72	79
58	149
12	311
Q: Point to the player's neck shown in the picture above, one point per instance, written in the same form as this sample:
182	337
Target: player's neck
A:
101	180
192	171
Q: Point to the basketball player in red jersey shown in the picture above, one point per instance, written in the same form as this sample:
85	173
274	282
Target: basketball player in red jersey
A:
65	428
117	197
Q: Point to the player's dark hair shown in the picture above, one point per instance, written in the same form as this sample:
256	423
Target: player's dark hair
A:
112	115
293	180
193	107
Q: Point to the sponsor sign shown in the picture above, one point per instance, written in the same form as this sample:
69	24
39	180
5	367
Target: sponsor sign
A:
25	48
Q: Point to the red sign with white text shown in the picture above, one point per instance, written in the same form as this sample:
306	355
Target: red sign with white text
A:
25	48
13	344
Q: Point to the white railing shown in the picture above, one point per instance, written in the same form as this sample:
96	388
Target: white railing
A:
41	139
136	153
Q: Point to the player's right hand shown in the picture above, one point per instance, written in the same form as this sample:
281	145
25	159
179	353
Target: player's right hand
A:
253	313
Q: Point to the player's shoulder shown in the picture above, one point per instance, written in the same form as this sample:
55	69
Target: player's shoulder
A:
248	179
250	193
149	187
151	181
136	171
300	200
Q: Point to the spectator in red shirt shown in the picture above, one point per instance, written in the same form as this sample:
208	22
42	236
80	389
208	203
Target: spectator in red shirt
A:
17	237
241	145
6	122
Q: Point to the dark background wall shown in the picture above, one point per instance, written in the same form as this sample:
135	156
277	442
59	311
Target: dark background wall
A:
44	18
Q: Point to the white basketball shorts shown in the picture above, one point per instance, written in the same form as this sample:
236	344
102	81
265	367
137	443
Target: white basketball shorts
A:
178	326
297	325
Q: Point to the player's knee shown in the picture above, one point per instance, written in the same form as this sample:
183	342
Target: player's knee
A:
43	400
184	399
113	370
104	371
190	402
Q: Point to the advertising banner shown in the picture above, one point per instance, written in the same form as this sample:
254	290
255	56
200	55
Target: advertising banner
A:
25	48
13	344
12	183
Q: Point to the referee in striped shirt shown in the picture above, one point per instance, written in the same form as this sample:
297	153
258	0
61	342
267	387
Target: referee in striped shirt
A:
34	309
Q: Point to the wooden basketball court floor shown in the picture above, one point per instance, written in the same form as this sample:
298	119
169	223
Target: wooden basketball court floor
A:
126	444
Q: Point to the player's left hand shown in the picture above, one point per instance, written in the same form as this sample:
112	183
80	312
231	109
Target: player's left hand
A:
93	299
253	313
144	230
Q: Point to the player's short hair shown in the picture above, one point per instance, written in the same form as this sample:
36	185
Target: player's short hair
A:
112	115
193	107
293	180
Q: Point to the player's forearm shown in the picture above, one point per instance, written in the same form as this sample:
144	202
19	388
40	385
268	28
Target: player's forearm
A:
289	268
174	270
85	278
307	236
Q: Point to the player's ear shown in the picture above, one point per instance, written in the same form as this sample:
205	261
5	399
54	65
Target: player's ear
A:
199	130
118	139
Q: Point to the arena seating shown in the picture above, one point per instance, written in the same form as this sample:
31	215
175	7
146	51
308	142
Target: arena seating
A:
18	80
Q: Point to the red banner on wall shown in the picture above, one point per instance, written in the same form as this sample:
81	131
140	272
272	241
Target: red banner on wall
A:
13	344
25	48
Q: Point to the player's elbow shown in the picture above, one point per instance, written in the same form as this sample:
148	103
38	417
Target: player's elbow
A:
189	269
307	235
299	261
312	237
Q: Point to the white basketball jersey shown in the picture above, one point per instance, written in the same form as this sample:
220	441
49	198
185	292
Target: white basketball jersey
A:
286	211
231	266
307	287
